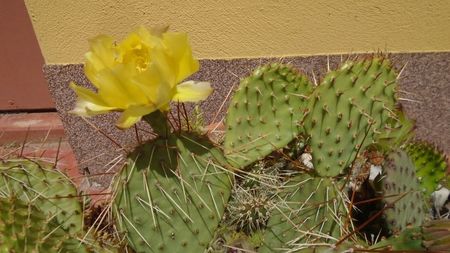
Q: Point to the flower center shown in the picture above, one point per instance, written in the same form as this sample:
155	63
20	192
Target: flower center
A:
138	56
141	59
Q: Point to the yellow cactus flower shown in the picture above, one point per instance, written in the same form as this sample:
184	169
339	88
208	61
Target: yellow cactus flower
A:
139	75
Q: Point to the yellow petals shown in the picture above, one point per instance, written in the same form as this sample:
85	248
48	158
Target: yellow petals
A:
191	91
132	115
100	57
89	103
138	75
181	54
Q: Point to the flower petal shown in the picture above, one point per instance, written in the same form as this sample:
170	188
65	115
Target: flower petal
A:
117	89
89	103
102	55
87	108
133	114
154	86
191	91
180	51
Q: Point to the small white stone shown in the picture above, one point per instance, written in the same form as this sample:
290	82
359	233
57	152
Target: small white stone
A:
439	198
306	159
375	170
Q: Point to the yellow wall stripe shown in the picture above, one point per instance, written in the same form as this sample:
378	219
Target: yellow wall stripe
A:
245	28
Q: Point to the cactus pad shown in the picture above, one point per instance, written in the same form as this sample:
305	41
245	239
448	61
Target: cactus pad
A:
347	110
264	113
410	239
48	189
23	228
396	132
310	211
431	166
402	193
172	194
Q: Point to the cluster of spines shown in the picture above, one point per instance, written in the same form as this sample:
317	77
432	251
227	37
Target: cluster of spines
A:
250	209
251	200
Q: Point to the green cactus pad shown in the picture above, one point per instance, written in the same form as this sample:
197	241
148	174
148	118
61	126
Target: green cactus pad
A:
408	239
402	193
311	211
433	236
24	228
347	110
431	166
172	194
264	113
48	189
345	247
397	132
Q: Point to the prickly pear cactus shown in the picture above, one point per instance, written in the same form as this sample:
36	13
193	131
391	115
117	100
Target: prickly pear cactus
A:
347	110
24	228
48	189
431	166
408	239
344	247
311	211
249	209
403	193
172	194
265	113
397	132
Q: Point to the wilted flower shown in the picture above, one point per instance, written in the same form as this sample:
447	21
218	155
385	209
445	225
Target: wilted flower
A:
139	75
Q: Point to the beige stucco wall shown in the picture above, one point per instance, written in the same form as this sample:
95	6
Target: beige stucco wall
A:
244	28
